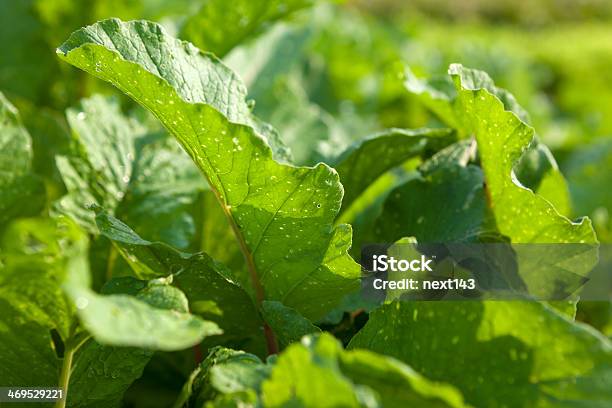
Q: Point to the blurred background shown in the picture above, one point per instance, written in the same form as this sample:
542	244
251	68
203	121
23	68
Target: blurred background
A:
328	74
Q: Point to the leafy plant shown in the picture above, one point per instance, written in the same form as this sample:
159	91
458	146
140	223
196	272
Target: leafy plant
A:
189	256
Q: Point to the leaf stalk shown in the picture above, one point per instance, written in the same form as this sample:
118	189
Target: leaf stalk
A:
64	378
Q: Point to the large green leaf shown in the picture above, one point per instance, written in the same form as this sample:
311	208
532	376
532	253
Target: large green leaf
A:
510	158
439	95
537	169
219	26
195	76
282	215
502	138
23	193
520	214
511	354
362	163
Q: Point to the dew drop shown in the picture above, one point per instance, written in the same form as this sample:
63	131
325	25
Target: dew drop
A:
81	303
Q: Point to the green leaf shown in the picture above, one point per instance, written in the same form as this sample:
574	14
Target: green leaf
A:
459	154
102	374
537	168
319	373
396	384
213	83
282	215
99	170
219	26
206	283
165	187
508	152
35	258
436	94
308	376
120	164
316	372
142	321
225	375
447	205
440	95
511	354
152	317
23	193
147	260
239	372
34	261
362	163
215	236
25	350
288	325
520	214
159	294
473	79
538	171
